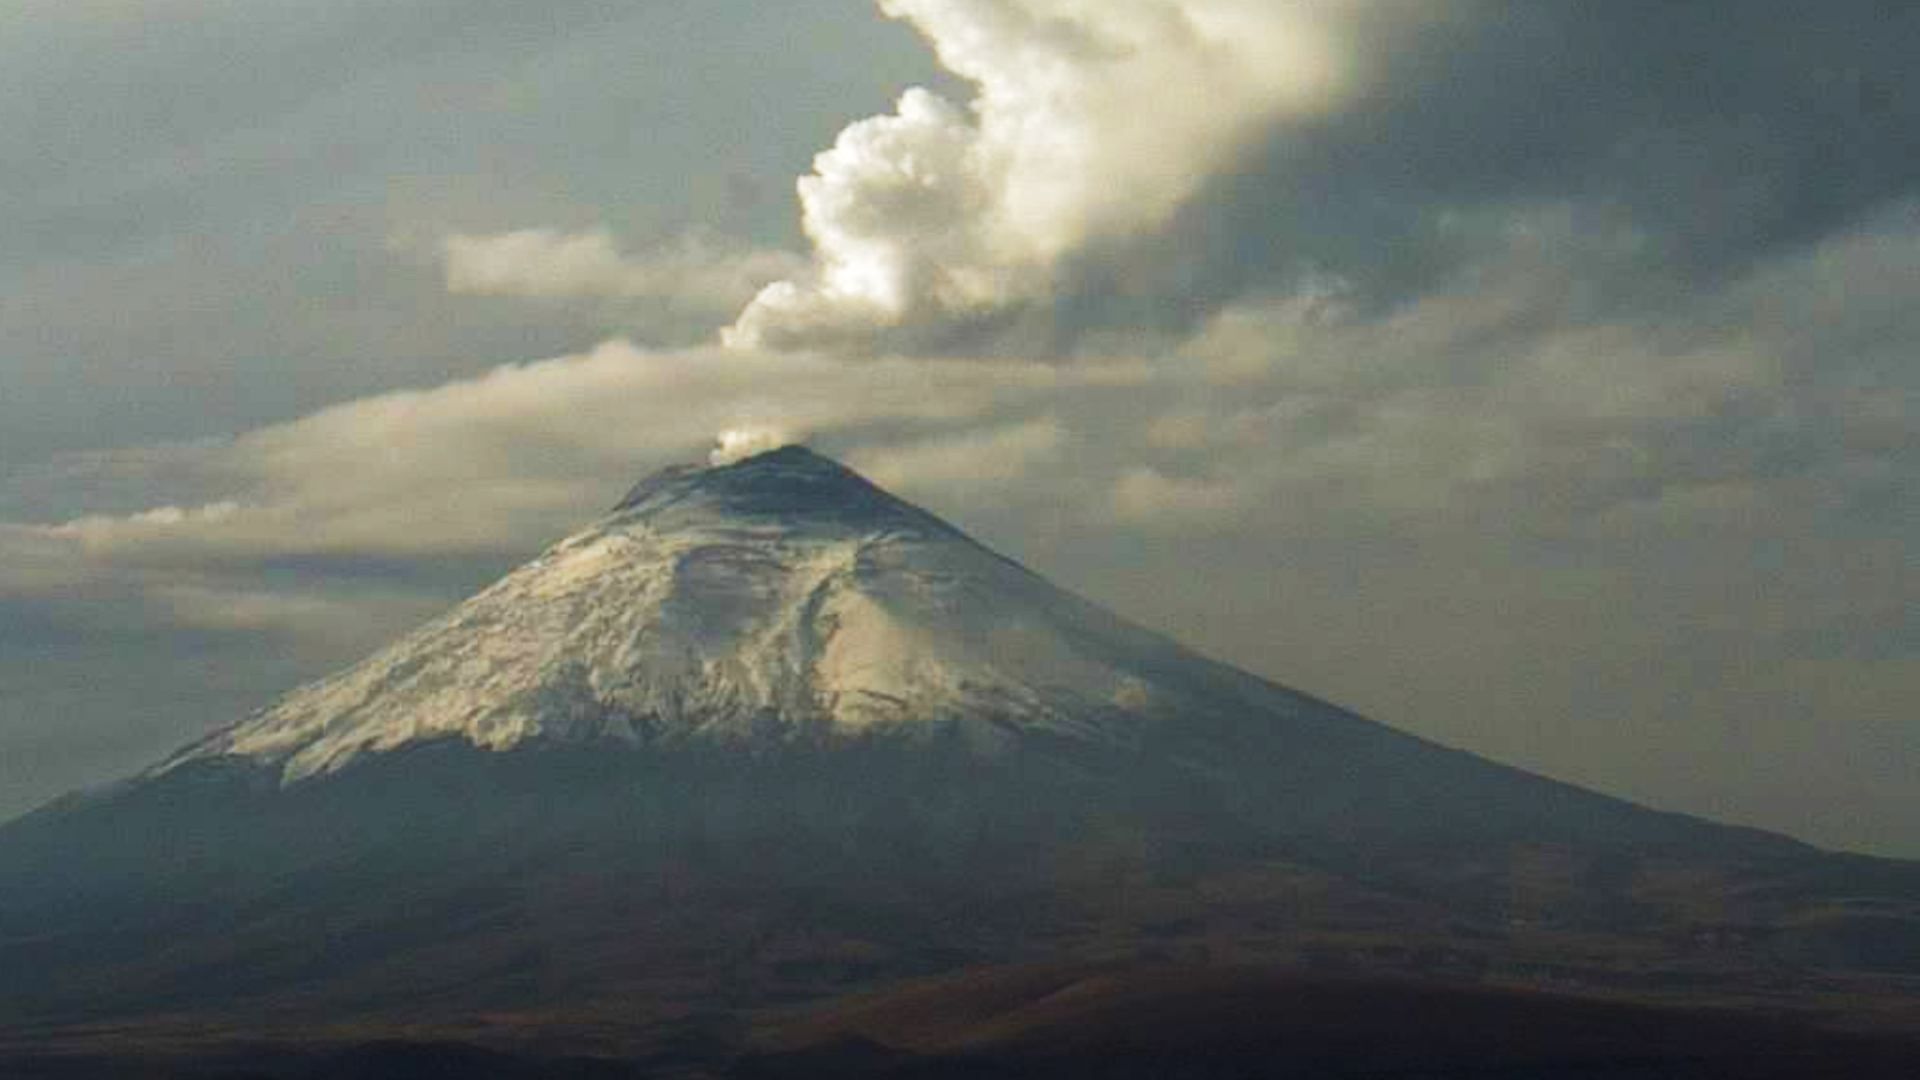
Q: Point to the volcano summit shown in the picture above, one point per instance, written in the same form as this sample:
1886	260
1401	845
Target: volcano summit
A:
767	733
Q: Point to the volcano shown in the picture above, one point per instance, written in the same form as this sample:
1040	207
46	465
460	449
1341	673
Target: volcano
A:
784	608
766	734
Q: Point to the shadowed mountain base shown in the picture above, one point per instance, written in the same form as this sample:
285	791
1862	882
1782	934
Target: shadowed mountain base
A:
1120	1022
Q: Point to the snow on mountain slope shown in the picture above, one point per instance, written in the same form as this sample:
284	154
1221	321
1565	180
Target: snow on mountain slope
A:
779	599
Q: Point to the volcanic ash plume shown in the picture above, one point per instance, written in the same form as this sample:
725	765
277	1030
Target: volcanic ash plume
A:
1090	120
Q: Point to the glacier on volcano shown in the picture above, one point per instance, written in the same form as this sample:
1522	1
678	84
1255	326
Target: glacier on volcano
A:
778	599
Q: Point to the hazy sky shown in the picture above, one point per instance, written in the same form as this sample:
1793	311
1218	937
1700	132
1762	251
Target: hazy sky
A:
1538	376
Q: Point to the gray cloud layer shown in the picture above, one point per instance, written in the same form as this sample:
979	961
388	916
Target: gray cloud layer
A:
202	199
1538	377
1136	165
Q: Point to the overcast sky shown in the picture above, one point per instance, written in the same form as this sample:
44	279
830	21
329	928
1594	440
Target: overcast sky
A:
1538	376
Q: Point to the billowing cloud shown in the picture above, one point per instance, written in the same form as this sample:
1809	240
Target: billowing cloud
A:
499	464
1131	167
735	445
1090	120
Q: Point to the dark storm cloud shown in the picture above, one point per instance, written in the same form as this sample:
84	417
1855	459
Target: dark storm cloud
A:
1689	140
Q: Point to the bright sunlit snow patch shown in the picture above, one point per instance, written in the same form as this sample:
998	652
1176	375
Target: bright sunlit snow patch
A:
778	601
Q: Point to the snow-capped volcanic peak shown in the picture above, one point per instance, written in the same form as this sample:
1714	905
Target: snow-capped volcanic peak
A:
782	598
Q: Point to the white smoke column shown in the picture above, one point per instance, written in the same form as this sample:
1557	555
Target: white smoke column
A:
1092	118
738	444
